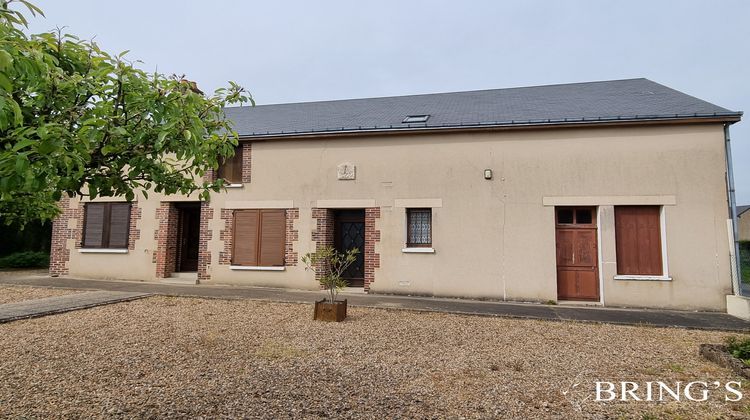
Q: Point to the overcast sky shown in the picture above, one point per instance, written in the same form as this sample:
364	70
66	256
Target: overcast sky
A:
284	51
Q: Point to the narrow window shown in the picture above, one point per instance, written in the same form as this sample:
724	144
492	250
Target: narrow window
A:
419	228
259	237
106	225
230	168
638	240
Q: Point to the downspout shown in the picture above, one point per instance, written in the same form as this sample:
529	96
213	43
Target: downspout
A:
736	280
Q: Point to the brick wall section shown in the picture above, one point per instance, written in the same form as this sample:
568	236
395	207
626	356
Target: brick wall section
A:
209	176
134	233
225	235
59	252
372	237
165	256
292	236
247	161
205	234
323	233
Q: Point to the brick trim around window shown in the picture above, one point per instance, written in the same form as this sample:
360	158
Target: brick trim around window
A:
247	161
292	236
134	233
68	225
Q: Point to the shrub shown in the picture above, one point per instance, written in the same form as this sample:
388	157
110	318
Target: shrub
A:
28	259
739	348
329	265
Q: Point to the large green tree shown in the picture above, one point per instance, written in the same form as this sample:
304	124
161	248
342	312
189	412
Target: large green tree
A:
75	120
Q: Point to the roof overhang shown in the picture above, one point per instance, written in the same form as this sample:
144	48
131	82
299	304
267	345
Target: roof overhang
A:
727	118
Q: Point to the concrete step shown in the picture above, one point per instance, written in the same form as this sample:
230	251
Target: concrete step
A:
181	278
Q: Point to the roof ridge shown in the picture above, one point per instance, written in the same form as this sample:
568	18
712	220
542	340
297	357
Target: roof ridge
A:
445	93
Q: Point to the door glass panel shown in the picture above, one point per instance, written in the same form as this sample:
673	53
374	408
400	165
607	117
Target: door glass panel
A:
565	216
583	217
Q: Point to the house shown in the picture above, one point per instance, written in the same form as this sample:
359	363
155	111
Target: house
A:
612	193
743	222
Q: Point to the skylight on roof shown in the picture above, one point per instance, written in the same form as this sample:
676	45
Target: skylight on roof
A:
415	119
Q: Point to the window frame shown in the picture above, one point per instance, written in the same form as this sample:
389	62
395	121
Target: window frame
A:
234	265
106	226
414	245
664	276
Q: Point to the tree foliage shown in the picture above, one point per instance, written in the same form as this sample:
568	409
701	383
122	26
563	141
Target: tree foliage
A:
75	120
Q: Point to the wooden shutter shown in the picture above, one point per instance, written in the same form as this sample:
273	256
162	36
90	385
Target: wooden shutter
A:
272	238
119	225
245	240
638	240
231	167
93	230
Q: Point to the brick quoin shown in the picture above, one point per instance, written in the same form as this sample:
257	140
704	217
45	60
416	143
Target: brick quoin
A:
372	237
225	235
134	233
205	235
323	233
247	161
165	256
292	236
61	233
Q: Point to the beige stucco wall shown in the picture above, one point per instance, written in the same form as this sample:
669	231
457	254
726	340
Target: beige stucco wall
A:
492	238
743	223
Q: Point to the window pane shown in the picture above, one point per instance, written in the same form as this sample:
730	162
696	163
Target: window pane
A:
583	216
119	225
93	234
231	168
419	227
564	216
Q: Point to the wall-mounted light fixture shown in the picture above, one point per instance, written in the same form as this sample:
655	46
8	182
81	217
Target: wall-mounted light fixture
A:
488	174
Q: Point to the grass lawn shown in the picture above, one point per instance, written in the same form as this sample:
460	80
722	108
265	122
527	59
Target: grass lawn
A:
189	357
745	261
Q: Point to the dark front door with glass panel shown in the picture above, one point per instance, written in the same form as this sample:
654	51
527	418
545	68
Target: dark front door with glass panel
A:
188	236
577	253
349	232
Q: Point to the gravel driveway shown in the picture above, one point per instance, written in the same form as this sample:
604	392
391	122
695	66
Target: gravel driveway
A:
184	357
9	294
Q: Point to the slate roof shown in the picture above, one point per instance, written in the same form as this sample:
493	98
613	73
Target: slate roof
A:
742	209
575	103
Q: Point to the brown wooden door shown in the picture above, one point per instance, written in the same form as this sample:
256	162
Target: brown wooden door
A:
188	238
577	253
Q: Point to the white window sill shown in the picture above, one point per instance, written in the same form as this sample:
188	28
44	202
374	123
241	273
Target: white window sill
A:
234	185
418	250
103	250
643	278
255	268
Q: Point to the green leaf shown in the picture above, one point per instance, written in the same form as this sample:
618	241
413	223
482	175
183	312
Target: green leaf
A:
23	144
5	83
6	60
